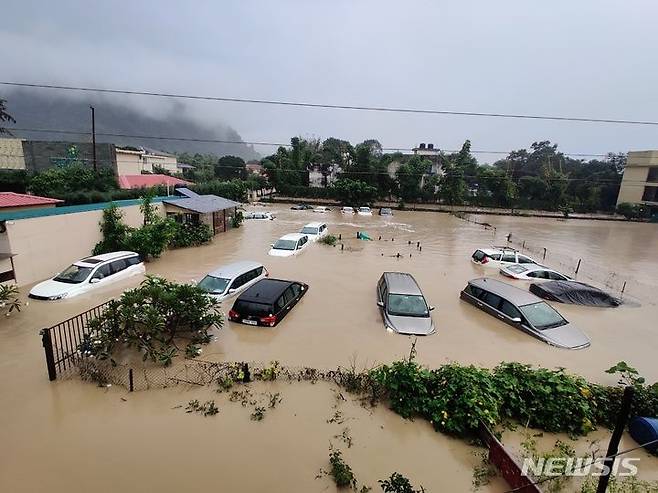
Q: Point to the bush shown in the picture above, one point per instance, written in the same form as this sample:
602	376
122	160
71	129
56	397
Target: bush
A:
330	240
187	235
114	231
150	240
551	400
237	219
632	211
150	318
397	483
455	399
460	397
340	471
9	300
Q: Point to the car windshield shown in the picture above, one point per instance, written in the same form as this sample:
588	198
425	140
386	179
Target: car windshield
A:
74	274
285	245
542	315
364	209
215	285
517	269
309	231
407	305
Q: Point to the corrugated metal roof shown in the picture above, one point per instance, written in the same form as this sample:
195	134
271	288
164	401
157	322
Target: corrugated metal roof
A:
186	192
71	209
203	204
12	199
148	181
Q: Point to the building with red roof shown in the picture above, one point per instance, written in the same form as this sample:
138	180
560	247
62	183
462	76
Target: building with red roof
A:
149	181
11	201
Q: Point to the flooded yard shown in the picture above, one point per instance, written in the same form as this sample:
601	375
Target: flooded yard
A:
72	436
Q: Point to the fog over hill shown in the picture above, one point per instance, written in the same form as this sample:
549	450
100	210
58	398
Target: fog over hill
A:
124	116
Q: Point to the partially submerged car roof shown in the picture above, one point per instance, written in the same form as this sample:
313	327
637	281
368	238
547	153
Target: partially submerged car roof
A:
265	291
574	292
293	236
511	293
401	283
229	271
314	224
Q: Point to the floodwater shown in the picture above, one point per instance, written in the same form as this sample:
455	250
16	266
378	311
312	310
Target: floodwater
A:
72	436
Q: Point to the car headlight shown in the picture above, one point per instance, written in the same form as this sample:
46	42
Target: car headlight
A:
58	297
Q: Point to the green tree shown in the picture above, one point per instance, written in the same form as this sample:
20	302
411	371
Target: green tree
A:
230	167
452	186
353	192
409	177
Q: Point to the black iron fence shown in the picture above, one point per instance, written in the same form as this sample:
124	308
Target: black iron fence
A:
61	342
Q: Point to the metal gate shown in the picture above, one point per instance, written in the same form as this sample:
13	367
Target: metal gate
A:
61	342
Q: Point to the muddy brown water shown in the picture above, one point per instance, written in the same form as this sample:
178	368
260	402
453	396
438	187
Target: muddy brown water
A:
72	436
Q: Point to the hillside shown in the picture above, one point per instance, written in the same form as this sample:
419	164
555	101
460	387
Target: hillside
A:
50	110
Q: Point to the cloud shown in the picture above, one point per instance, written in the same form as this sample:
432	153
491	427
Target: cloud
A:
589	58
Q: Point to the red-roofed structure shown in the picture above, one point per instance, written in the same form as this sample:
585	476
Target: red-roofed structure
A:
149	181
14	201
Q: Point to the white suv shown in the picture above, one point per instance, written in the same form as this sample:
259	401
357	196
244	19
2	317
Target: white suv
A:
231	279
289	245
88	274
500	257
314	230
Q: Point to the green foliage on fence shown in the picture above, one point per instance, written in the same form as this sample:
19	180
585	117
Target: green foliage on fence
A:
151	319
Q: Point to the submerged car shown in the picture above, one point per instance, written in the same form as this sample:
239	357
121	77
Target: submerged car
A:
500	257
314	230
259	215
525	311
267	302
532	272
231	279
321	209
288	245
88	274
301	207
574	292
402	304
364	211
347	210
385	211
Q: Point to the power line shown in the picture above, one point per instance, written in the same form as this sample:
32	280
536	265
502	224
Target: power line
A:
333	106
273	144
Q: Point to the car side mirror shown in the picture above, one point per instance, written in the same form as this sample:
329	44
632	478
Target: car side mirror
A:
232	290
272	245
431	308
95	280
516	320
380	304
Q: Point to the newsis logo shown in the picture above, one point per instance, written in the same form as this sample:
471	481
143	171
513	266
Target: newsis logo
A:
577	466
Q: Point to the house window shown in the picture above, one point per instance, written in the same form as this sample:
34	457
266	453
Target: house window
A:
652	177
191	218
650	194
175	216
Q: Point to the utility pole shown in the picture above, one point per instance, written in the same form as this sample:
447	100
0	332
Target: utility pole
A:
613	446
93	137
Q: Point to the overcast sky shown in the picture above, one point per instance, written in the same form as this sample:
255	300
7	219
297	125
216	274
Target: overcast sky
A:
594	58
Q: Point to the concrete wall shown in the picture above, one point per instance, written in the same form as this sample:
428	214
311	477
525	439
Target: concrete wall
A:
46	245
11	154
130	163
41	155
635	176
